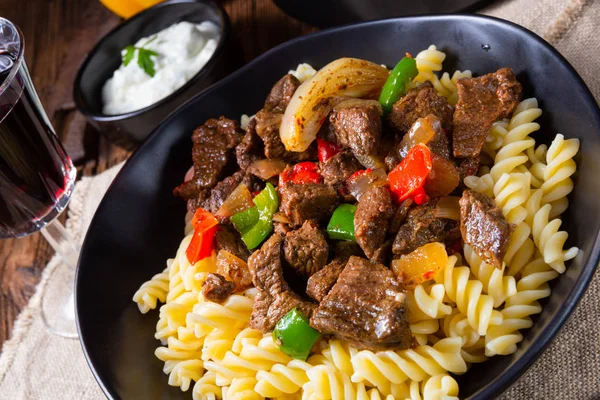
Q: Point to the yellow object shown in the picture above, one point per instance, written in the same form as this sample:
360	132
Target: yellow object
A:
128	8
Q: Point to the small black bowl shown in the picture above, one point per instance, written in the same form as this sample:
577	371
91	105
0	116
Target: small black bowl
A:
139	223
131	128
325	13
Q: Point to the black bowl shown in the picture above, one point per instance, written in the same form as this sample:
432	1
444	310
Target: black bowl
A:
324	13
139	224
133	127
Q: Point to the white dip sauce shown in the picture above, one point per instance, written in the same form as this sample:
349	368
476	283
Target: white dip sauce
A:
183	49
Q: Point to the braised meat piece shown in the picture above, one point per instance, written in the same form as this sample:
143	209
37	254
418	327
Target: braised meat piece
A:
481	102
306	249
251	148
280	95
421	227
371	219
357	125
321	283
269	118
418	103
223	189
213	145
228	239
467	167
216	288
399	216
308	201
366	307
483	227
274	298
338	168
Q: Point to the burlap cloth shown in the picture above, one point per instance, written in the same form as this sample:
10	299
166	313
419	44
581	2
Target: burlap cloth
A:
35	364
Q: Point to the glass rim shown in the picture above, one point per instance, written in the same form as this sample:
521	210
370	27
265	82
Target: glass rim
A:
20	55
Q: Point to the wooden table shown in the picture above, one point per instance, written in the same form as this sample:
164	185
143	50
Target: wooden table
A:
58	34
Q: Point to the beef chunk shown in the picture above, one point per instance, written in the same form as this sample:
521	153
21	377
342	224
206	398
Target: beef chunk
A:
213	144
281	94
274	298
371	219
338	168
228	239
418	103
365	307
357	125
481	102
399	216
281	228
483	227
308	201
306	249
269	118
321	283
216	288
421	227
251	148
222	190
467	167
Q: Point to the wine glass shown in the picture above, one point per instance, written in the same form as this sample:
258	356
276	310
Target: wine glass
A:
36	176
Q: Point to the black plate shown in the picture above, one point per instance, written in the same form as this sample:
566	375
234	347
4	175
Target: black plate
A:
139	223
324	13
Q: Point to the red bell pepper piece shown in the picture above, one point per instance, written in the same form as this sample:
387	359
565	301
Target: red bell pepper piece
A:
304	172
359	173
201	245
326	150
408	178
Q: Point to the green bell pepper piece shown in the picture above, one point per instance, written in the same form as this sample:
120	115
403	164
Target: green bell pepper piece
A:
341	224
395	85
294	335
256	223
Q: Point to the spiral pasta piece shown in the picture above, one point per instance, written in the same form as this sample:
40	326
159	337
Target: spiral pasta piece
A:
426	301
206	388
511	192
282	379
495	283
520	248
557	173
385	367
233	314
424	329
473	345
532	286
439	387
467	294
153	291
547	236
241	389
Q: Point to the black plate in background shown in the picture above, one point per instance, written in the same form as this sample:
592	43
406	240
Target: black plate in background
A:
325	13
139	224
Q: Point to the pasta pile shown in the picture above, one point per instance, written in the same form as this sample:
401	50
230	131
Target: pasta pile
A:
469	312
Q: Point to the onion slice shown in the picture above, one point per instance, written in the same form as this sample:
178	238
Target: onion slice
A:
239	200
364	182
448	207
266	168
316	97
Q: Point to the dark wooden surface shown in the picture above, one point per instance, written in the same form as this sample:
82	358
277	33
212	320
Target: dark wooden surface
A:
58	34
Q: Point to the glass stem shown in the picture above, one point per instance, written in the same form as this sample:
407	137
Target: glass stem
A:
58	303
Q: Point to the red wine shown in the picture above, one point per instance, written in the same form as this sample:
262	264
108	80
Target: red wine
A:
36	175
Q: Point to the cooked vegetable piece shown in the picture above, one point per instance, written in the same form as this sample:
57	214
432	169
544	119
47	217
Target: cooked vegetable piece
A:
326	150
239	200
316	97
304	172
234	269
364	180
395	85
408	178
443	178
420	265
448	207
201	245
341	224
266	168
255	226
295	336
